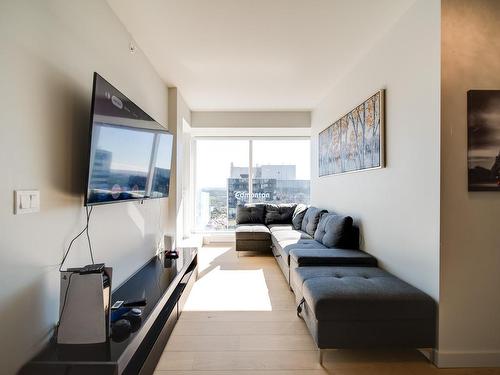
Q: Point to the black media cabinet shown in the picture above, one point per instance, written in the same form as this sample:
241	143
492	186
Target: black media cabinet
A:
165	284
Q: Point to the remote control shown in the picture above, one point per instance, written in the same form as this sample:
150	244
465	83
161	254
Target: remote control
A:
135	302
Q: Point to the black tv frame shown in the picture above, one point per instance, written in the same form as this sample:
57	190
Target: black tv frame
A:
161	129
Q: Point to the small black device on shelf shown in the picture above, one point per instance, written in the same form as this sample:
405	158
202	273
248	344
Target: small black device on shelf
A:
129	322
171	254
89	268
121	308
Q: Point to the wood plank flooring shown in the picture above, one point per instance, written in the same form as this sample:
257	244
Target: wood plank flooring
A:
240	319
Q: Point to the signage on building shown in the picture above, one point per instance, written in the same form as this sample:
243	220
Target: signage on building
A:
245	195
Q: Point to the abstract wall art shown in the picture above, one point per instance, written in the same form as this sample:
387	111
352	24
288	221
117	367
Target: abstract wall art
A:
483	138
354	142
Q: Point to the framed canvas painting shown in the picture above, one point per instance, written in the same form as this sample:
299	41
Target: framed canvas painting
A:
483	138
355	142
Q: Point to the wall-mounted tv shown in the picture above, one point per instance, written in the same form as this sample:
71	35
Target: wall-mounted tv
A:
130	153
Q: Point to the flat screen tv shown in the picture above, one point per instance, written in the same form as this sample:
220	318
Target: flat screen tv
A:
130	153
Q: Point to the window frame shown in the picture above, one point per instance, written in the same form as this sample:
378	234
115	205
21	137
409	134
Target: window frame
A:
250	139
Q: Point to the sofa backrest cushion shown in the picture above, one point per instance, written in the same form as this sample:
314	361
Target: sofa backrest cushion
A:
334	230
250	214
311	220
279	213
298	216
354	241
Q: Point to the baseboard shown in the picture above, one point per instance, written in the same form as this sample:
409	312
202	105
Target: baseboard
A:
428	353
466	359
195	240
218	238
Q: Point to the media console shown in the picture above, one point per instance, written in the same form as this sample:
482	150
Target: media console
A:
165	283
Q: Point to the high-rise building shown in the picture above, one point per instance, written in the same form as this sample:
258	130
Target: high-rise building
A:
266	171
270	184
102	168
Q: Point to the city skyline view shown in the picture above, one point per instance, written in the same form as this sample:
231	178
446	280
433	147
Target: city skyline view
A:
213	165
280	174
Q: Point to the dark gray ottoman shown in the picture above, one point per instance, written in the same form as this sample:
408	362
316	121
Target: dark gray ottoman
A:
325	258
363	307
253	237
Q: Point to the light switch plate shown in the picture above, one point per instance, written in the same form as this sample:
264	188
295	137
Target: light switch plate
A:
26	201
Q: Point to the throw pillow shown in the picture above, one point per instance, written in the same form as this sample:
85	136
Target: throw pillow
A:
279	213
298	216
334	230
250	214
311	219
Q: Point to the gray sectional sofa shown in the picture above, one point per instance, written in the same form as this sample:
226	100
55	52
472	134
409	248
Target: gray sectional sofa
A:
344	298
304	234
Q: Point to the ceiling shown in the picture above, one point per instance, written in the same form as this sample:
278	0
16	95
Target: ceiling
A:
255	54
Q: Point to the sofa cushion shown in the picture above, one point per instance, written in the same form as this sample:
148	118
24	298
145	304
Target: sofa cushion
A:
332	257
354	238
286	235
362	294
279	213
334	230
300	275
298	215
252	232
311	220
284	247
250	214
279	227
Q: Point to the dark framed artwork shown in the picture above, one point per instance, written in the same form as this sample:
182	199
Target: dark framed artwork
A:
483	139
355	142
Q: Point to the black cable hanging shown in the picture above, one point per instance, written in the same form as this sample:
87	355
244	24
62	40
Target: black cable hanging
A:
84	230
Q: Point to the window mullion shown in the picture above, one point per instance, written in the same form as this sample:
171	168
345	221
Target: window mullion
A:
250	171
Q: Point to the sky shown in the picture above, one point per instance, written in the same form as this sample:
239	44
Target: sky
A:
132	148
214	157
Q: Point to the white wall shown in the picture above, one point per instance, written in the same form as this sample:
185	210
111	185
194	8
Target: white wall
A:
248	119
469	318
398	206
49	50
179	119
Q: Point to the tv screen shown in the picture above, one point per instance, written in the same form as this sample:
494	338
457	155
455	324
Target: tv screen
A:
130	153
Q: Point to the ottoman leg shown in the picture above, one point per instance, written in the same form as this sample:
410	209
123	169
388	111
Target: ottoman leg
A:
320	356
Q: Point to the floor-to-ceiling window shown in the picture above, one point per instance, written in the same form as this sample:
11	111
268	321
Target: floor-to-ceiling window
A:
217	162
229	172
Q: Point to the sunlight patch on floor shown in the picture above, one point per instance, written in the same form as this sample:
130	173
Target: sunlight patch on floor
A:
212	255
230	290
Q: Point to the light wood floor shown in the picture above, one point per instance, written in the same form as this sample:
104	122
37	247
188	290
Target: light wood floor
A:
240	319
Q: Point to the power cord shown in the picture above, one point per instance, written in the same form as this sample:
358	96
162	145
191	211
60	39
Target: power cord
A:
87	231
84	230
64	300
